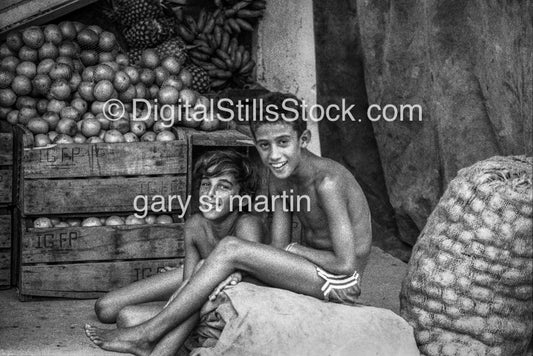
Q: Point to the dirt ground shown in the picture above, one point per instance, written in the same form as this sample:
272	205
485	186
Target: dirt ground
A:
55	327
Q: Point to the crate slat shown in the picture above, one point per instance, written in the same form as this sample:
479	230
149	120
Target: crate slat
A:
5	229
102	243
86	280
5	267
218	138
68	196
6	149
6	181
105	159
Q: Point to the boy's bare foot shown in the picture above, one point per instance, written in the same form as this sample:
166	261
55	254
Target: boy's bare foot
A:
125	340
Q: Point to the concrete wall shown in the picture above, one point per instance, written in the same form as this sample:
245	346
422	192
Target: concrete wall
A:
286	53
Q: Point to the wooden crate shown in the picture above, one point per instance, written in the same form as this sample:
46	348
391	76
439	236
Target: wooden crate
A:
5	247
86	262
96	178
81	180
6	163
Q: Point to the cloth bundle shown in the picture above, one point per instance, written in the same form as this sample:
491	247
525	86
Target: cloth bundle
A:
469	287
253	320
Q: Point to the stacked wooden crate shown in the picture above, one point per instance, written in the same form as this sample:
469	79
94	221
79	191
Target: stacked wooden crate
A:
81	180
6	171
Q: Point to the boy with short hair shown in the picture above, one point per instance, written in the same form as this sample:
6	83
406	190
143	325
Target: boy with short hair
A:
328	264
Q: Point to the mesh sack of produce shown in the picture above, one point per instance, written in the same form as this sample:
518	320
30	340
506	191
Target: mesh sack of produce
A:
469	288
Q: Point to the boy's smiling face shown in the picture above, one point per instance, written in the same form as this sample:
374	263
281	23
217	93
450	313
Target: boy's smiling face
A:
215	196
280	147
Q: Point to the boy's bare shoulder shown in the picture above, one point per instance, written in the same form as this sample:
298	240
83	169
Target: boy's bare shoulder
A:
194	221
332	176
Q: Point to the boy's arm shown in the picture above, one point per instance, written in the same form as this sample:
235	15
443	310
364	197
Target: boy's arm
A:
342	259
192	256
280	228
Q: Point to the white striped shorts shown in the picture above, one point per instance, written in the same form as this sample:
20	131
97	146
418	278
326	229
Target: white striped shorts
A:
340	288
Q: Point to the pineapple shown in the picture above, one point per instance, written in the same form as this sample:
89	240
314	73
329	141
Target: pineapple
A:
130	12
173	47
201	81
134	55
149	33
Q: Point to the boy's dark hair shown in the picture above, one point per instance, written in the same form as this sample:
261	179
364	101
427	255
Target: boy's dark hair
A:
271	109
216	163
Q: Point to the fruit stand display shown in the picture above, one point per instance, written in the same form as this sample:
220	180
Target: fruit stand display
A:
69	202
6	170
80	164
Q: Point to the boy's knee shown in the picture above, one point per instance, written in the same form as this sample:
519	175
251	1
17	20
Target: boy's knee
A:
228	247
104	309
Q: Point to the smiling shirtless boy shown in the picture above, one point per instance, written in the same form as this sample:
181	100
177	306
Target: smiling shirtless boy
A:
329	262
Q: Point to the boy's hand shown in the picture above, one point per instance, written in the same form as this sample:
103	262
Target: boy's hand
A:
232	280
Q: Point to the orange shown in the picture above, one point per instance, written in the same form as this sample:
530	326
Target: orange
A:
168	95
171	64
51	118
27	69
107	41
67	127
21	85
164	219
52	34
121	82
92	221
187	98
87	38
68	30
63	139
165	135
7	97
103	90
186	77
133	220
48	50
113	136
114	221
33	37
149	58
103	72
60	90
37	125
41	140
42	223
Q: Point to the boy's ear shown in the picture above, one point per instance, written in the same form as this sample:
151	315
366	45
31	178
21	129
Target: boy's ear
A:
305	138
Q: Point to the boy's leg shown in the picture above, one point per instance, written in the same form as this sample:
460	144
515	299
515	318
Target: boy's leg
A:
268	264
158	287
132	315
170	344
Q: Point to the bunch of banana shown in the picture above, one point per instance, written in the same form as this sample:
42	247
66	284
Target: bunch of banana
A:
214	40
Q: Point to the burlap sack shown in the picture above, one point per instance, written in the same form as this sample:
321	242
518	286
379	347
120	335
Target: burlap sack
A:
469	288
